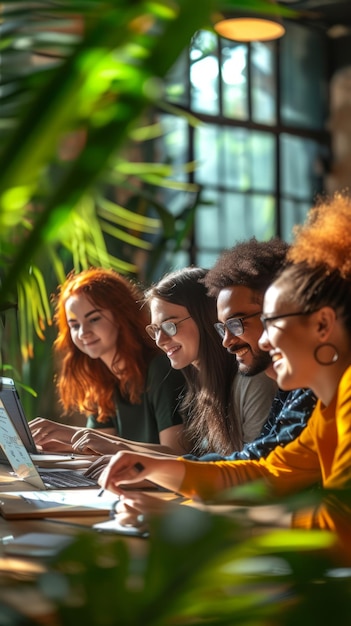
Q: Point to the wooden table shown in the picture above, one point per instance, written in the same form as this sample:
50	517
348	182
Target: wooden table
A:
14	571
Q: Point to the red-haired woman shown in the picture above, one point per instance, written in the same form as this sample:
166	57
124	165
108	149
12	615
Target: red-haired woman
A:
109	368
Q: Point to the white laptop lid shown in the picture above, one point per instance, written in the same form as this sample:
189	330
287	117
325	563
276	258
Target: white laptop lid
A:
12	403
16	452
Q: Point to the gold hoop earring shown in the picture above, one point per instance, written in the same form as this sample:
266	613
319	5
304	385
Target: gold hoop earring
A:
318	350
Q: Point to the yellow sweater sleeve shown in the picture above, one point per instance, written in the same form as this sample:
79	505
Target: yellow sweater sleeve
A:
321	454
284	470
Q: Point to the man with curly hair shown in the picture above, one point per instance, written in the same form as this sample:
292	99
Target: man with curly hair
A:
306	318
239	280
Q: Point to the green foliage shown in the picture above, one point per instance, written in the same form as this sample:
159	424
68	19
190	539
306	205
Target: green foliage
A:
197	568
97	74
83	72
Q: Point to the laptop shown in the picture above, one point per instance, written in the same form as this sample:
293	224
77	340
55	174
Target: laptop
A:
17	444
12	402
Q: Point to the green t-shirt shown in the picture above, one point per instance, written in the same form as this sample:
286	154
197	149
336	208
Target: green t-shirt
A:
157	410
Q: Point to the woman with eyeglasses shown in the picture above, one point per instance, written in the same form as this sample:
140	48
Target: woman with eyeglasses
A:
110	371
222	409
307	331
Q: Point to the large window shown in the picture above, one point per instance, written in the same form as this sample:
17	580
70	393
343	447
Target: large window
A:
258	139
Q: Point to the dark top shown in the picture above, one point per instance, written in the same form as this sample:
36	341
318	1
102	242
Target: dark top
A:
157	410
288	416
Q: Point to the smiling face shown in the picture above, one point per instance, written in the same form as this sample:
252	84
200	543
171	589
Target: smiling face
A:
239	301
290	340
183	348
93	330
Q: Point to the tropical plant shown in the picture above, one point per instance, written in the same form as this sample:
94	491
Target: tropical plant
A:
77	79
65	121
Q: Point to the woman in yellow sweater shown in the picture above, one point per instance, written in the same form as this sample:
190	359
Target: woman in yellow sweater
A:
307	331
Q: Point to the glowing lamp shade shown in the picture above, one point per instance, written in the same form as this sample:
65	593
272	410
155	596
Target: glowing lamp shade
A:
249	29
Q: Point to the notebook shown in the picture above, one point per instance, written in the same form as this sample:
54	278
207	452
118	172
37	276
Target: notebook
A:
56	503
18	456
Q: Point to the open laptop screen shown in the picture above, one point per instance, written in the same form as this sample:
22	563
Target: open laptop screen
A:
11	401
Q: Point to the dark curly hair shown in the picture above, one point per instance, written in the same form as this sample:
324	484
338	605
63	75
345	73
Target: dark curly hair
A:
253	264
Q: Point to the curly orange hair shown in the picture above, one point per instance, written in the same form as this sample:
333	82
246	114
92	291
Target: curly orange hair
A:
325	238
319	269
87	385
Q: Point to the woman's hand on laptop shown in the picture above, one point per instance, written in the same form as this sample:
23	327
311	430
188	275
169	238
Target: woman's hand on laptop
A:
51	436
94	470
90	441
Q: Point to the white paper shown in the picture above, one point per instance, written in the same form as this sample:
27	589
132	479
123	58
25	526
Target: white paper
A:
73	497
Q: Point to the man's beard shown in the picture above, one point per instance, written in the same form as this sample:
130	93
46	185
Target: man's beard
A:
260	363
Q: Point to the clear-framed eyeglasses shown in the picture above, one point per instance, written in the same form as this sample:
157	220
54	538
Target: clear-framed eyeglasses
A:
168	328
268	319
235	325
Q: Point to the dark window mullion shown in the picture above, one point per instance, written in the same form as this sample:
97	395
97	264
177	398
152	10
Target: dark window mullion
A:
191	158
249	83
248	195
277	81
220	81
220	125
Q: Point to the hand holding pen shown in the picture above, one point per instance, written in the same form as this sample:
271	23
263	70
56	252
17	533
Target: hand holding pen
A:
138	467
130	468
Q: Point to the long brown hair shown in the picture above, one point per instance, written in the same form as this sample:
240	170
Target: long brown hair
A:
87	385
208	411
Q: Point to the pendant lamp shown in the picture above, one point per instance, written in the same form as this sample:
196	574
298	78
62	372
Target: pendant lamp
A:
249	27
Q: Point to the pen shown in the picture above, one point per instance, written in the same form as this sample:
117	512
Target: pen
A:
138	467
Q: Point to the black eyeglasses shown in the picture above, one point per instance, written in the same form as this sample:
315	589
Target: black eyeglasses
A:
234	325
266	319
168	328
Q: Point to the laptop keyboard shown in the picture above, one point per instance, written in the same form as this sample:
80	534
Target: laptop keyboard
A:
65	479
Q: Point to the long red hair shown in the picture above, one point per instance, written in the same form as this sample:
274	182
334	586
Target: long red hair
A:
87	385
